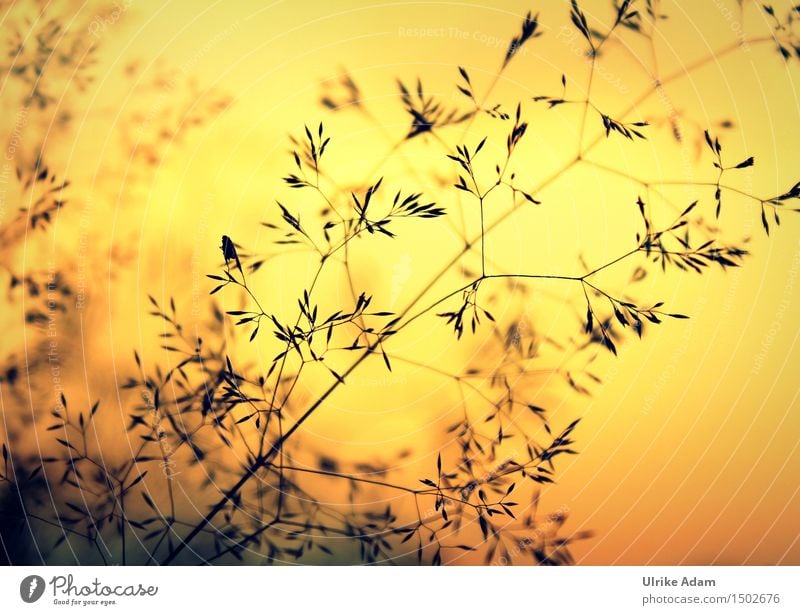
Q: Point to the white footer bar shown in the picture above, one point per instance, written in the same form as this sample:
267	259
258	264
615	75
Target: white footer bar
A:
229	590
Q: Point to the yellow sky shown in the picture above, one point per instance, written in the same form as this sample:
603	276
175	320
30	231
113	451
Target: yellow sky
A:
688	450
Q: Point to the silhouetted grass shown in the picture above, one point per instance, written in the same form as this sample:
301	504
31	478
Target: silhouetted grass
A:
210	409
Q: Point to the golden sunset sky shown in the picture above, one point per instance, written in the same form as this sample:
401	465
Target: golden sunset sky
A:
688	450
